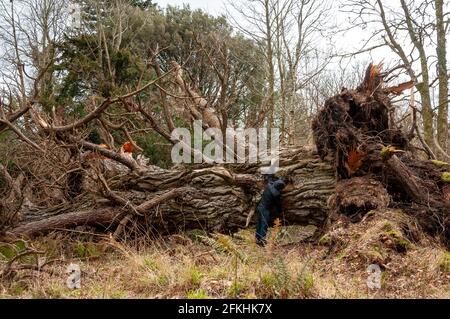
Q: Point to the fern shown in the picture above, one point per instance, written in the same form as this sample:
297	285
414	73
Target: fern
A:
224	244
274	234
278	281
281	273
304	282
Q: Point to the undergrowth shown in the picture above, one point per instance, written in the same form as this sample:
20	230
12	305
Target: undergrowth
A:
196	265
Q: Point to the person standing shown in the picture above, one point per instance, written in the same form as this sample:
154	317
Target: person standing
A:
270	200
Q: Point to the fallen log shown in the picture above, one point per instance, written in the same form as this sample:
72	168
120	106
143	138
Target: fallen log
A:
65	221
216	198
357	143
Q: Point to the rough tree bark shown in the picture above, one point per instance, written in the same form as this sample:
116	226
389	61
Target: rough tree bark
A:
217	198
441	52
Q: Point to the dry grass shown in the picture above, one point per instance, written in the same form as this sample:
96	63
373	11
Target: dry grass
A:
220	266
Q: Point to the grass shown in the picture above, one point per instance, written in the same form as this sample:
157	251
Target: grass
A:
444	262
181	266
197	294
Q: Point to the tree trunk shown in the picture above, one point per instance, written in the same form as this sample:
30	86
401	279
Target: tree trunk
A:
221	199
441	51
270	66
424	87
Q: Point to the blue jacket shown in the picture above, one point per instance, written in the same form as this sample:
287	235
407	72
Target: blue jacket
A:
271	197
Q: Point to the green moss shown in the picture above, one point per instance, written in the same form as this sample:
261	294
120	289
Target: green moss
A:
446	177
11	250
393	233
370	213
401	244
388	226
440	163
6	252
325	240
387	151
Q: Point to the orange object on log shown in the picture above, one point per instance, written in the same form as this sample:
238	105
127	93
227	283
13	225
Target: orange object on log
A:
354	160
128	147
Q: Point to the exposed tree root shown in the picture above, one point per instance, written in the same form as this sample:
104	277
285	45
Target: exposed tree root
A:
355	131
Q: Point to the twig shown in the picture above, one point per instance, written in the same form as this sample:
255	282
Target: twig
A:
20	134
414	120
146	206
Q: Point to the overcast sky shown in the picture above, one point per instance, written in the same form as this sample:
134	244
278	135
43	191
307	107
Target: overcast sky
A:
348	42
214	7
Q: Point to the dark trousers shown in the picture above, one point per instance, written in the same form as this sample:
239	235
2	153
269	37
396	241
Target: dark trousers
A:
263	223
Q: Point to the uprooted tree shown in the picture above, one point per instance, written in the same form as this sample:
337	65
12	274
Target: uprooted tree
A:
374	160
61	178
362	161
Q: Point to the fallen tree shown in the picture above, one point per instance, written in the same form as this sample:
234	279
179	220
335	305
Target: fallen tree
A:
358	145
218	198
76	182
